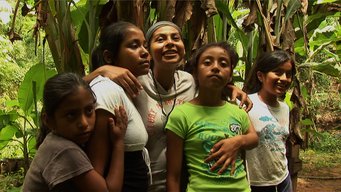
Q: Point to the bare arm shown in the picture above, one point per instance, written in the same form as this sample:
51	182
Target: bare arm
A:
99	146
174	161
226	150
118	127
119	75
92	180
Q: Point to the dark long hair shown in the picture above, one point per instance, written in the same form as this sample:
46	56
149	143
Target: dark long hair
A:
111	38
56	89
266	63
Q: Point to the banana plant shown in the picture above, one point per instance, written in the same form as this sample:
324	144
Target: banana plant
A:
19	120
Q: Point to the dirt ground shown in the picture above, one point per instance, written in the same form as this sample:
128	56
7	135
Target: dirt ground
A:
320	180
318	185
326	179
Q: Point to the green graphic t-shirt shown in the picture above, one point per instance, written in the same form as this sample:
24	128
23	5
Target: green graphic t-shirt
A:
201	127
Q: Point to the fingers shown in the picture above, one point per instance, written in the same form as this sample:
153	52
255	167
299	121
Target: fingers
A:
234	95
248	104
225	166
245	102
214	152
225	162
233	169
135	82
221	161
129	83
121	118
111	122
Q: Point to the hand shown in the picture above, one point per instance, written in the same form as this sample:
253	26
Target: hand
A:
123	77
237	93
225	153
118	127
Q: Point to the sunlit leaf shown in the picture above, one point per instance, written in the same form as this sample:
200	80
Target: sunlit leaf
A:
219	27
304	92
324	1
12	103
39	74
307	122
32	145
288	101
327	68
8	132
299	47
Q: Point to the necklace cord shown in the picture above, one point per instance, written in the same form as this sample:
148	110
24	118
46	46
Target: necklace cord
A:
161	101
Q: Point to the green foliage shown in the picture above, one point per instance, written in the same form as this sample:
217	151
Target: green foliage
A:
12	182
17	57
315	160
10	72
12	150
18	121
32	86
326	142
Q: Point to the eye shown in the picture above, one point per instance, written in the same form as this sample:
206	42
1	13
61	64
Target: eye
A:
278	72
160	39
176	37
134	45
145	45
289	74
207	62
89	110
71	115
224	63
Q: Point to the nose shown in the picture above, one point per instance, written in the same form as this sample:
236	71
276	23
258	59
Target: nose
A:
144	53
83	122
215	67
169	42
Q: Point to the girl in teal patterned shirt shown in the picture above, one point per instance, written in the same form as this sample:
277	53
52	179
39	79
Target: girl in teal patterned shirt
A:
269	79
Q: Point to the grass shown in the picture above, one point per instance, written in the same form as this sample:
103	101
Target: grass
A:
323	158
11	182
317	159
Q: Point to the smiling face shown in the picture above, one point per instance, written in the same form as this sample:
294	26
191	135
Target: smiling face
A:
74	119
166	47
133	54
214	68
276	82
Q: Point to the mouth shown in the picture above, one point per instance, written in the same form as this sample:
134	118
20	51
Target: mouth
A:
85	134
145	62
215	77
282	87
170	53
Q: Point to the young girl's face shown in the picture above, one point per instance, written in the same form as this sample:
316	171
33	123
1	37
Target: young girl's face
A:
74	119
167	47
133	53
214	68
277	81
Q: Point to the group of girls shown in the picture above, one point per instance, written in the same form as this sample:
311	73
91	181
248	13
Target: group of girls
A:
144	121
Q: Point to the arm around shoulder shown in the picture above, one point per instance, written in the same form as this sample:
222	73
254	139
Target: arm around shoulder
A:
119	75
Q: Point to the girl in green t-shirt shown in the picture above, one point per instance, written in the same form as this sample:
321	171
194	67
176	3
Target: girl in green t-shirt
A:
207	132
